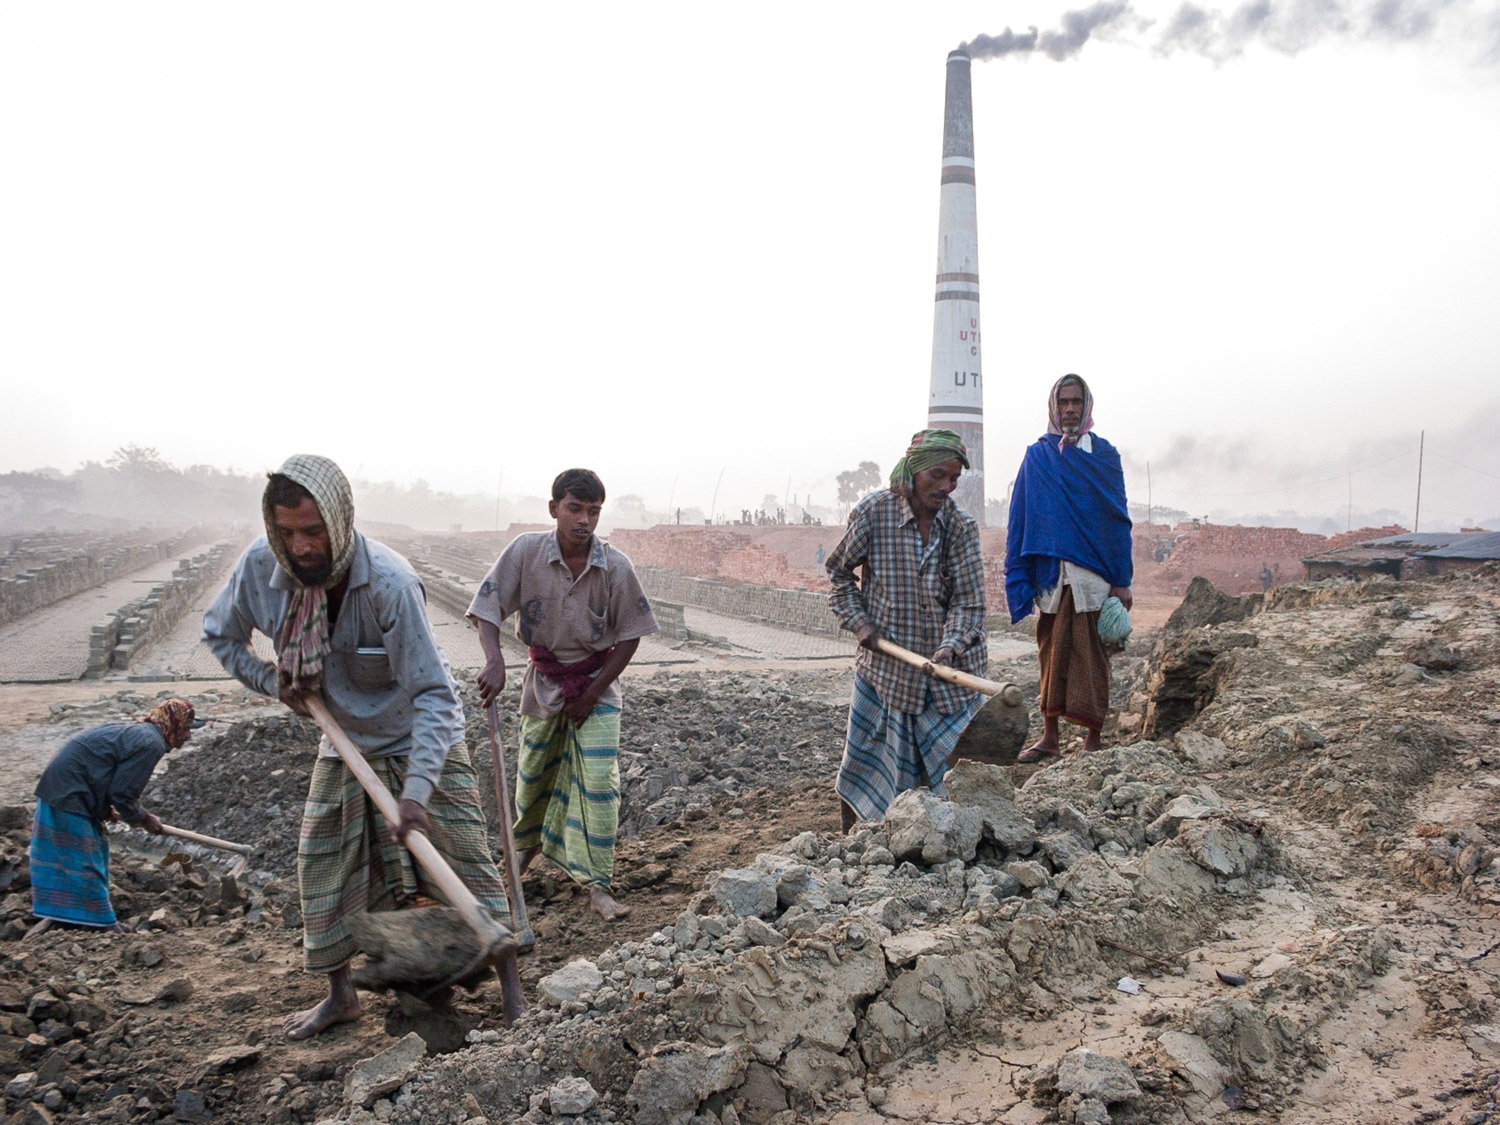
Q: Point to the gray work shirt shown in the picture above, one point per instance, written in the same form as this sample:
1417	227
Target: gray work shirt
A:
386	681
571	617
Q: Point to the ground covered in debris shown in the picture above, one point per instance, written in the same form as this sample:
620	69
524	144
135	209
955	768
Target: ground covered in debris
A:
1271	898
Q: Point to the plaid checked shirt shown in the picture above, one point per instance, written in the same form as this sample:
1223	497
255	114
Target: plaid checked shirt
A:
921	602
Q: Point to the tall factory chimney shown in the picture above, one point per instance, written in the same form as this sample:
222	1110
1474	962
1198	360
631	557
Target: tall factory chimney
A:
957	401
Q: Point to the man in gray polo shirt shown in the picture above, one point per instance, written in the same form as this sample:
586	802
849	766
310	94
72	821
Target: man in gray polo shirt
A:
581	611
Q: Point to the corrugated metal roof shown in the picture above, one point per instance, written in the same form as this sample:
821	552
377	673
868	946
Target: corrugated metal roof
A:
1355	554
1482	545
1474	545
1423	540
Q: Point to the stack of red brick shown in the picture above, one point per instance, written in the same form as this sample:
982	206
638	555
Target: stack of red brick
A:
1359	535
764	567
695	551
1232	557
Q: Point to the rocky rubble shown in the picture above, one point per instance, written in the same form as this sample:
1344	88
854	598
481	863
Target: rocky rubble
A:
86	1018
683	746
793	982
796	988
1277	905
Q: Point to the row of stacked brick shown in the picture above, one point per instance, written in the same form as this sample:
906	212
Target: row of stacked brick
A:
39	570
124	635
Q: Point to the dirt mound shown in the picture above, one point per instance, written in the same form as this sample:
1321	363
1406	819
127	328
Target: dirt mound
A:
713	765
1284	907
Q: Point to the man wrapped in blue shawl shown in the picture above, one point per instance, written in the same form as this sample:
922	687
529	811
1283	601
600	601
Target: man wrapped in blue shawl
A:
1067	550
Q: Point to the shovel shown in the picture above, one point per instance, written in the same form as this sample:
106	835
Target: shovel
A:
418	951
507	831
996	734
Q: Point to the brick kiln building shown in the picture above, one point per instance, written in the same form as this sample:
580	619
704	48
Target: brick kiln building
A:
1407	555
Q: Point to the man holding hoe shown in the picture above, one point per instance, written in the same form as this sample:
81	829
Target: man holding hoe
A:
581	612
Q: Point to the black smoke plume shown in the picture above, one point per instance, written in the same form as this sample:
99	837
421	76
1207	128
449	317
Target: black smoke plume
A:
1288	26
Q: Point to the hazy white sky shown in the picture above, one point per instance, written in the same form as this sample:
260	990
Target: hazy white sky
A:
692	246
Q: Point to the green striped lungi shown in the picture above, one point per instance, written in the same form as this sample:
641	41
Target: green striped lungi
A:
568	792
346	861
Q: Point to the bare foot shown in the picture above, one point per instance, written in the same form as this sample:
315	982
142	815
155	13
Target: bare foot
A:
524	858
340	1006
1092	742
605	906
847	816
315	1021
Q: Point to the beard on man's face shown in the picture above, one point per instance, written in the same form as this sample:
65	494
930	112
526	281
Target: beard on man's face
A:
314	572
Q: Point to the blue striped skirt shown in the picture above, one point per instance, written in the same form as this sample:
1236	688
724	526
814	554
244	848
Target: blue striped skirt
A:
889	752
69	868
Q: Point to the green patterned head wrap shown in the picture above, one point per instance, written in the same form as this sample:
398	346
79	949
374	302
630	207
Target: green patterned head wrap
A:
927	448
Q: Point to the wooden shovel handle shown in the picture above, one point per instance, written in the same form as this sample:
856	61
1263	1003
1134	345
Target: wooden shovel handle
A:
1010	692
508	831
207	841
422	849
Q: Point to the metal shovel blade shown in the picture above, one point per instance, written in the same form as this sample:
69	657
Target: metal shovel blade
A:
421	951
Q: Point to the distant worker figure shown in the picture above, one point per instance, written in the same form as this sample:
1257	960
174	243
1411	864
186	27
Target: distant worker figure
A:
1267	579
582	613
822	554
98	775
1067	550
922	587
348	619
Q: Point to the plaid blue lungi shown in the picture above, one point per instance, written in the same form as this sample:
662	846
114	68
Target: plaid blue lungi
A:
69	868
888	752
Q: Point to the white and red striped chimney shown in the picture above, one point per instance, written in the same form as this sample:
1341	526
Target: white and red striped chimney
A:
957	401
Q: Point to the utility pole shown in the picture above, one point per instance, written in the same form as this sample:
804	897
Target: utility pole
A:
1416	520
714	503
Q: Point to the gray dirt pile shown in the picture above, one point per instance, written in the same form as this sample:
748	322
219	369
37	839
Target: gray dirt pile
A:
92	1028
1273	894
1338	734
688	740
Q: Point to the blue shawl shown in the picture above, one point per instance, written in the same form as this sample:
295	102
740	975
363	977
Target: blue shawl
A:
1066	504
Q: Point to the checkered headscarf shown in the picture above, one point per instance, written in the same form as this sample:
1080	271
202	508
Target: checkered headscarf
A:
330	491
303	643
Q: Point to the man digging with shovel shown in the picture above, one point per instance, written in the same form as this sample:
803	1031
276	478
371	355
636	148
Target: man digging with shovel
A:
355	651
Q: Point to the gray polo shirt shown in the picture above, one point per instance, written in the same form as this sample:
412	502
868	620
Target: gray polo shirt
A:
572	617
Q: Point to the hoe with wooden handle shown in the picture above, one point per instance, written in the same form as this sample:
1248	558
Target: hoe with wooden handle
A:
243	850
1008	692
417	951
512	870
206	841
996	734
